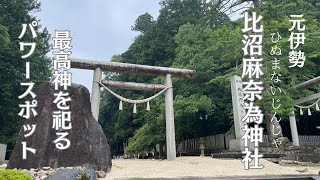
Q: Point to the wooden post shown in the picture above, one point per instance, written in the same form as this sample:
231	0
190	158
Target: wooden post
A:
294	131
170	131
95	95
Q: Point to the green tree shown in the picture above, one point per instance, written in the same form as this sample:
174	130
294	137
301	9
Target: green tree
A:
13	14
276	19
199	35
156	45
143	23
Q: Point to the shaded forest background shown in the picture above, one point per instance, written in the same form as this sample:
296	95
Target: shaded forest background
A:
191	34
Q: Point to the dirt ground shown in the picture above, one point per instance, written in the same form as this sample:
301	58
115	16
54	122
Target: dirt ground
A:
191	167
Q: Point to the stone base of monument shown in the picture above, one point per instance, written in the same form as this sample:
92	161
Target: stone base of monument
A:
70	174
237	145
89	147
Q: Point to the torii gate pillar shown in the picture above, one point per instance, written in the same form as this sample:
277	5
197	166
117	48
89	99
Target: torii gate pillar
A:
95	95
294	131
170	131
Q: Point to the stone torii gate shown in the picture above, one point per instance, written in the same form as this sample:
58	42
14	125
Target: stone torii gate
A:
305	85
238	111
136	69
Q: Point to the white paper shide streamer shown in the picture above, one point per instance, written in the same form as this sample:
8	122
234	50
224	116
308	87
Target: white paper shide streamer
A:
315	104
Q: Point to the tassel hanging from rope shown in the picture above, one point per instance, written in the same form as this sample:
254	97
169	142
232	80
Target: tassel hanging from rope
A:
134	108
317	107
301	111
309	112
120	106
148	106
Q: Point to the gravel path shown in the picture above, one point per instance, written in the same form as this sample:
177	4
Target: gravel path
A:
197	167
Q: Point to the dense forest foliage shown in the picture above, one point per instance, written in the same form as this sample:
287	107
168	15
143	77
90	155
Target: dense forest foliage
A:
190	34
199	35
14	13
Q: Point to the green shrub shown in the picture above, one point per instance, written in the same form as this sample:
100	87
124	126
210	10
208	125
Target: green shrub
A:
14	175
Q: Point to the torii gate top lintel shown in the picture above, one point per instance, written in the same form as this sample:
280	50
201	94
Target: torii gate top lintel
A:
132	68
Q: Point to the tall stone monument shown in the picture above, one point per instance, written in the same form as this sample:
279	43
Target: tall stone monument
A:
89	147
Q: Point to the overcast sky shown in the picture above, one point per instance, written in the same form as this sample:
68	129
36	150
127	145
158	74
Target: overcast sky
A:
99	28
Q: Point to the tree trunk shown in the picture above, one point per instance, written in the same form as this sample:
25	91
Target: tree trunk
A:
272	134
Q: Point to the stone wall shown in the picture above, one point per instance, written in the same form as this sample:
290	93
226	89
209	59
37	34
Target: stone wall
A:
304	153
